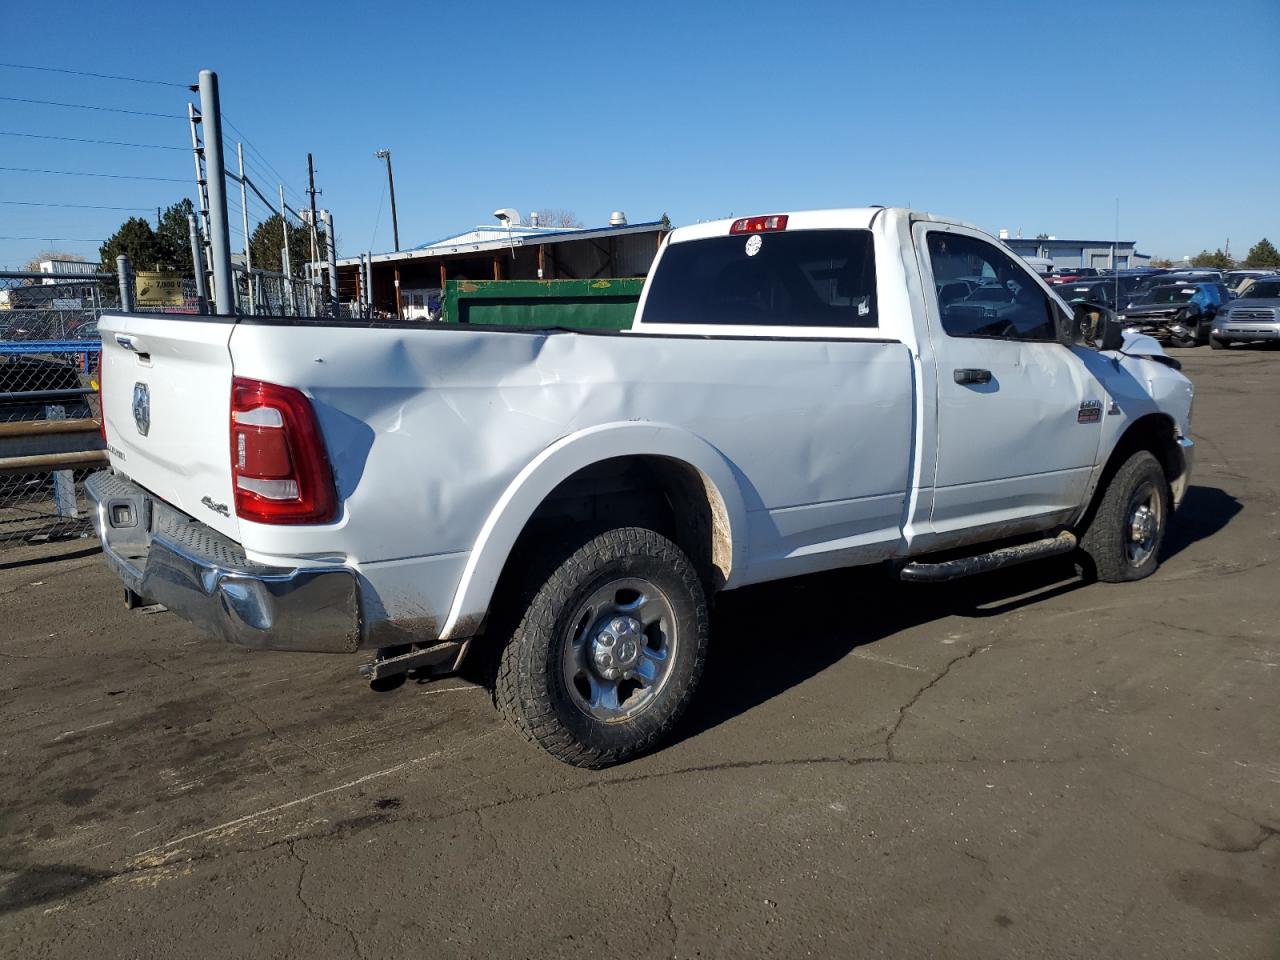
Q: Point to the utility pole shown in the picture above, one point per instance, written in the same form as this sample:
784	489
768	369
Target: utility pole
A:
224	290
391	185
311	192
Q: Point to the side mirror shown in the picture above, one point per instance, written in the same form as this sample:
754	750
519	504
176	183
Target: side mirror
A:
1097	327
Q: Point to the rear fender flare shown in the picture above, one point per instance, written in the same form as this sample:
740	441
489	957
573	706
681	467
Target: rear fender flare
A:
559	461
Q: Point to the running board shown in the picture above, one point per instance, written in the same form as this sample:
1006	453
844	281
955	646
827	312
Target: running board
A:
1064	542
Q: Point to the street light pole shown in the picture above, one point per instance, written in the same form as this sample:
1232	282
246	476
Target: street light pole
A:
391	186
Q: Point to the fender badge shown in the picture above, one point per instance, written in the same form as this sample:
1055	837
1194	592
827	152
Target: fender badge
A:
215	506
1090	412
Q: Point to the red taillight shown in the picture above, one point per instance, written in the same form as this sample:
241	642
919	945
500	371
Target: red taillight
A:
278	462
759	224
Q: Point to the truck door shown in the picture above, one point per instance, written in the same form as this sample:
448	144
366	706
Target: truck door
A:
1019	416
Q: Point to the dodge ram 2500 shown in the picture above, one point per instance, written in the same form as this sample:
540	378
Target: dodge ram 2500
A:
798	392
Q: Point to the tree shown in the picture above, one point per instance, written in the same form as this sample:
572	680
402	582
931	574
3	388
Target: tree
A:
1042	236
33	265
267	241
547	217
137	241
1163	262
1263	254
174	238
1216	259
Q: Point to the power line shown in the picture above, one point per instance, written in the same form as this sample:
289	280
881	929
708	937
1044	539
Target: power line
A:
91	106
248	143
80	206
109	143
98	76
78	173
56	239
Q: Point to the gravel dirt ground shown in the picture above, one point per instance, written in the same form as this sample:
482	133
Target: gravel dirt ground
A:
1015	765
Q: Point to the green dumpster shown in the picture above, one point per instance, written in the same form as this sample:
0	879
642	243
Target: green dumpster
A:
597	304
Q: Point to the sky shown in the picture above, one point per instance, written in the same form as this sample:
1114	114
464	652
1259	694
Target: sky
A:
1028	116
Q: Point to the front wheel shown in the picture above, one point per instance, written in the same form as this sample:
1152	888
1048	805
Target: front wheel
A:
1122	540
609	651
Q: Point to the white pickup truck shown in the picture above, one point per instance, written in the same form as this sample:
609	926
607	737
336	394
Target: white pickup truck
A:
799	392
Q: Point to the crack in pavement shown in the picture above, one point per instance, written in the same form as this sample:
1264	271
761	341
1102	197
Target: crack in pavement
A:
312	911
938	678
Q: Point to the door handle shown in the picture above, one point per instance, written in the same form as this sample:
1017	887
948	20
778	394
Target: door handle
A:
972	375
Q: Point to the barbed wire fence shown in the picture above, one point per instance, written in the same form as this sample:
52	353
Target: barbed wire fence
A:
54	183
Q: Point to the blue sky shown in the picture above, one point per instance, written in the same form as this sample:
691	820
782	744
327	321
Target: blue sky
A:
1030	116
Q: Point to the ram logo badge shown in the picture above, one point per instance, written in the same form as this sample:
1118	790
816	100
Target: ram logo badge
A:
142	407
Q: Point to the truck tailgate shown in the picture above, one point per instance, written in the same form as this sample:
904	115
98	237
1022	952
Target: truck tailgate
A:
166	403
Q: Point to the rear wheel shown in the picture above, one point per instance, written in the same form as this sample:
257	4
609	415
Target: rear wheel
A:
1122	539
609	651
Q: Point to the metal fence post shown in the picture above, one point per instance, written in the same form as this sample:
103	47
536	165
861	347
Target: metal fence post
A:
332	251
125	273
197	264
244	217
64	481
224	290
284	252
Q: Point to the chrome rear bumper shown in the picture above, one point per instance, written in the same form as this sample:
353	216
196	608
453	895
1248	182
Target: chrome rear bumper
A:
167	557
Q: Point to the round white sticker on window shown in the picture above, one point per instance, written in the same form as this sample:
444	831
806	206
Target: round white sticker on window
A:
754	243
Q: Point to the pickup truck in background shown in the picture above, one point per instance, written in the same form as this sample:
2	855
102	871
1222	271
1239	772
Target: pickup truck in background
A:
799	392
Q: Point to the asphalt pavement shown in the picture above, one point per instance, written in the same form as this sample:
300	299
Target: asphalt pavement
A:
1017	765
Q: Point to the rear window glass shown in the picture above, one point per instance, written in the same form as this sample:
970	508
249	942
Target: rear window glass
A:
802	278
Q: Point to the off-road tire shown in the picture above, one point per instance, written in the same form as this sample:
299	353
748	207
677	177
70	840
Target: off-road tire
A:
530	690
1104	537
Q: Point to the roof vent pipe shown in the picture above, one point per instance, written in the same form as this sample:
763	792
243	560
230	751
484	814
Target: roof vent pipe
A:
533	219
617	219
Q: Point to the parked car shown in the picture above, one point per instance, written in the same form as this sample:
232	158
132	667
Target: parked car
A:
795	395
1181	313
1235	279
1098	291
1251	319
35	388
1070	274
1176	276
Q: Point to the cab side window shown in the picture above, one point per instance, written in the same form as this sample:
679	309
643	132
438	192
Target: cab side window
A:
1000	300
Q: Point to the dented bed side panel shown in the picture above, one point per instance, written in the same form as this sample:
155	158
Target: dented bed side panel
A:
443	442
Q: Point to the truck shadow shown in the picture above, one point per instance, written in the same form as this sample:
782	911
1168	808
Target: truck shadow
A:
769	638
1204	511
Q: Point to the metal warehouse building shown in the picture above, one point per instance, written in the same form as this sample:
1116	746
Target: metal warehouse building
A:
496	252
1067	254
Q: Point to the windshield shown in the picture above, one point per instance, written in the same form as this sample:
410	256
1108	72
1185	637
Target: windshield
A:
1264	290
1167	294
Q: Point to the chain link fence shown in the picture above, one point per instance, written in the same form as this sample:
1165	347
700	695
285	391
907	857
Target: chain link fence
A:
49	438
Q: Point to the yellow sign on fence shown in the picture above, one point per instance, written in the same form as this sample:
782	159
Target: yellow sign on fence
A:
157	288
